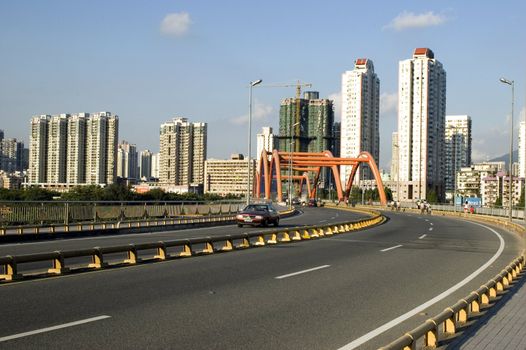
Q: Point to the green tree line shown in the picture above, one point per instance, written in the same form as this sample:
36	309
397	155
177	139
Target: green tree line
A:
113	192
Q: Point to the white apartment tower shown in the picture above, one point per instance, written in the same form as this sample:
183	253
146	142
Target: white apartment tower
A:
182	152
265	141
394	156
101	148
360	117
75	149
458	148
76	154
156	157
522	150
57	148
421	123
38	149
127	159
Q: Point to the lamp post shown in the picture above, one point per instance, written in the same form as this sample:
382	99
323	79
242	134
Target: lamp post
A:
290	165
252	84
512	84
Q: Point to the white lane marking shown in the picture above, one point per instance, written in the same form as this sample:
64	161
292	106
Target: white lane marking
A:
333	217
426	219
372	334
391	248
301	272
422	236
53	328
431	223
323	221
430	229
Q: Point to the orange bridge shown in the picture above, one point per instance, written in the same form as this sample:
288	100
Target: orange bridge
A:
271	173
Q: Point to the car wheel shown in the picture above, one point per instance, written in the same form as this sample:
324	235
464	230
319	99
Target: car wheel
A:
239	225
264	223
276	223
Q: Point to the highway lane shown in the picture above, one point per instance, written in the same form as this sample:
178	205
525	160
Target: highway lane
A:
315	216
334	291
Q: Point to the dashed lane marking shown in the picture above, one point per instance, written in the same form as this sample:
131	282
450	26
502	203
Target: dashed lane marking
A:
53	328
391	248
302	272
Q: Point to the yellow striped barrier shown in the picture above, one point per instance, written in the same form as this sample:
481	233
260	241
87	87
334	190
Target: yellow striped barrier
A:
445	324
183	248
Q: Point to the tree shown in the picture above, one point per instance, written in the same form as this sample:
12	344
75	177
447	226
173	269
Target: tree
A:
388	193
521	200
84	193
498	202
432	197
38	194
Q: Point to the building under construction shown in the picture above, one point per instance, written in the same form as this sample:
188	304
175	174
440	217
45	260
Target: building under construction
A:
306	125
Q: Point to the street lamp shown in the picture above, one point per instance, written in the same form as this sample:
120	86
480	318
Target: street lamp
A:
290	165
512	84
252	84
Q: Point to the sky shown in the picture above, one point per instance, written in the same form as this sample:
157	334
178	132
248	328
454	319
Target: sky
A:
151	61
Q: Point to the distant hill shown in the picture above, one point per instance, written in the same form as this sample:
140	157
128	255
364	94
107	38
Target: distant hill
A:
506	157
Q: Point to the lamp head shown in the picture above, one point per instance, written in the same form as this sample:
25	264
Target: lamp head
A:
254	83
506	81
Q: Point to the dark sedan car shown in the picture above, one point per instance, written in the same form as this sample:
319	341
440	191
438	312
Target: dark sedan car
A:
258	214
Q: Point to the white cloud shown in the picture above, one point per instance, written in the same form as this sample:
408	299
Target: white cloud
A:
409	20
260	112
176	24
336	97
388	102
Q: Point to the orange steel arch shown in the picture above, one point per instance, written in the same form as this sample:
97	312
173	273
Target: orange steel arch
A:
305	163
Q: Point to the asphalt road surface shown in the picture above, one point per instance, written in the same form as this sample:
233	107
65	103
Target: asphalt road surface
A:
335	292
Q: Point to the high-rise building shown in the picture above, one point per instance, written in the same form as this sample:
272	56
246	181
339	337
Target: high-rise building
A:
76	153
101	148
458	148
360	117
182	152
394	156
293	114
127	161
38	149
336	133
421	124
11	155
306	125
156	163
57	148
522	149
265	141
74	149
145	165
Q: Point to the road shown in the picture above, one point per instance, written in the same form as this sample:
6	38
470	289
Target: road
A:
319	294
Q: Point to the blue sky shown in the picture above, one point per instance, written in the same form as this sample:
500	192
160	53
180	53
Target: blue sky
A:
149	61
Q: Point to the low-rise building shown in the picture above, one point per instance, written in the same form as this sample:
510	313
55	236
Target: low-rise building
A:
230	176
497	186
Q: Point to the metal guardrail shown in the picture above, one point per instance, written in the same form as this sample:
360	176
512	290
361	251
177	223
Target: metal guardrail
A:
108	225
446	323
16	213
185	247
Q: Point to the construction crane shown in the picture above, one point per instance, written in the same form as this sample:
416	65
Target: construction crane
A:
298	85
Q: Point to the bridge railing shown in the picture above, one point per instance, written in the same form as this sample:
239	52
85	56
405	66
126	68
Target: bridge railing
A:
32	215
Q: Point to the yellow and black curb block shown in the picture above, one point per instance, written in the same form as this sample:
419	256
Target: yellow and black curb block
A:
180	248
447	323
